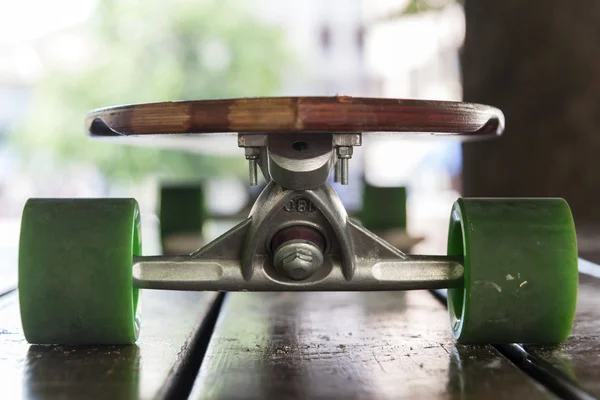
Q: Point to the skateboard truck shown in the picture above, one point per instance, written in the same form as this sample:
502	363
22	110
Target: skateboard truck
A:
298	235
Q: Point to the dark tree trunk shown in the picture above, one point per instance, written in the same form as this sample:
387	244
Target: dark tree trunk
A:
538	61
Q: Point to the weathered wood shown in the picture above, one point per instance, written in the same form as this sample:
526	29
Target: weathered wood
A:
298	114
579	357
349	345
149	369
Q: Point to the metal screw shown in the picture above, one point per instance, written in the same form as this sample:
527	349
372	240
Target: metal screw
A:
345	170
252	154
344	154
298	259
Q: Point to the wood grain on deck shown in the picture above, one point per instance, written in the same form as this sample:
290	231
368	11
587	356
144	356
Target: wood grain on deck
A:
298	114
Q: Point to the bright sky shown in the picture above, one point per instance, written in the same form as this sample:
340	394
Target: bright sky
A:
27	20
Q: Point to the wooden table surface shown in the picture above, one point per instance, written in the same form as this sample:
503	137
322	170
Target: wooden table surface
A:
578	359
301	345
378	345
171	333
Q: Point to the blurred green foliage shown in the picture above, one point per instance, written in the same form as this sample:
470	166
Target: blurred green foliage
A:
418	6
147	51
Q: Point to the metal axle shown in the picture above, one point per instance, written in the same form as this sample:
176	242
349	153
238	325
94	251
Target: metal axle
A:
187	273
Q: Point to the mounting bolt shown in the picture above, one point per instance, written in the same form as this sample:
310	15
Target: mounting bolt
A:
252	155
344	154
298	259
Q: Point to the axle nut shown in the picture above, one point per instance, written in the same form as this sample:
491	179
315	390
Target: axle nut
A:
298	259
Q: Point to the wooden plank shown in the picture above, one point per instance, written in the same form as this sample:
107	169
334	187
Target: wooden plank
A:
149	369
349	345
578	359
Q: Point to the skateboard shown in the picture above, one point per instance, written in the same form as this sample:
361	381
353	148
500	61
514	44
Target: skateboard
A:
510	268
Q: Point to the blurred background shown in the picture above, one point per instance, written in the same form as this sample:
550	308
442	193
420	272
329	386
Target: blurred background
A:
62	58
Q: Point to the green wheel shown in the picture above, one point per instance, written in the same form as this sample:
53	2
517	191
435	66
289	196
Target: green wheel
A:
520	279
75	271
383	208
182	214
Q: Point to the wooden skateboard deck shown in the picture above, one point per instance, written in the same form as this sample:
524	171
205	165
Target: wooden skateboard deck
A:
299	115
